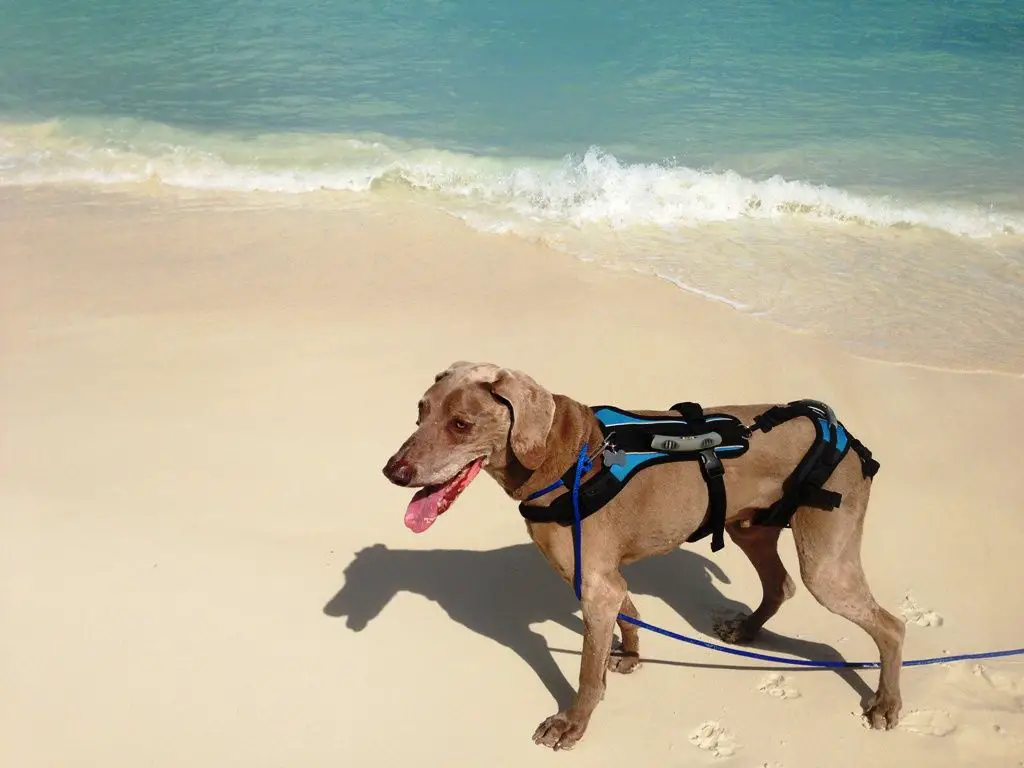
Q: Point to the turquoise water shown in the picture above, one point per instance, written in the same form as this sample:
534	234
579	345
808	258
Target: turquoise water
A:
621	131
905	95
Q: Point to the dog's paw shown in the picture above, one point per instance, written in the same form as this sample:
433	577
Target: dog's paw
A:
736	629
559	732
883	712
623	662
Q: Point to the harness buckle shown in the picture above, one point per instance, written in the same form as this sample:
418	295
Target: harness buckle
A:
711	463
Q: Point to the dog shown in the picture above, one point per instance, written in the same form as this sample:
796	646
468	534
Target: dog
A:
480	416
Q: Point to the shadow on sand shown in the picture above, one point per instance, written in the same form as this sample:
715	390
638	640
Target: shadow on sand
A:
499	593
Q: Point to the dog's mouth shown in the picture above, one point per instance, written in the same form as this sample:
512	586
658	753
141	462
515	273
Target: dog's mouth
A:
432	500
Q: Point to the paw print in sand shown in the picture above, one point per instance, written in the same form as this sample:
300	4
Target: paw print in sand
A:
777	686
928	722
915	614
715	738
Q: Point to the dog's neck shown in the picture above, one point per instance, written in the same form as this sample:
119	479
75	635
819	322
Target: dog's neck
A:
573	425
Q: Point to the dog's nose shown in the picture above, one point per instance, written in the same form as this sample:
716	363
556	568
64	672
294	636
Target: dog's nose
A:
398	471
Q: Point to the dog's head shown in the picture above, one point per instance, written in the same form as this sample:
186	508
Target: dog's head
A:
474	415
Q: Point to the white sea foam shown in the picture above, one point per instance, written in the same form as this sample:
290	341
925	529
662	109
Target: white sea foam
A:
593	189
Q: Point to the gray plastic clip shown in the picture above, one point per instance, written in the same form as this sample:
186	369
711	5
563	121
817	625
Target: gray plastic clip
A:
672	443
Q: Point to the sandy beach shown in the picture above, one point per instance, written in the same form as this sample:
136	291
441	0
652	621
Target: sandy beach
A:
202	564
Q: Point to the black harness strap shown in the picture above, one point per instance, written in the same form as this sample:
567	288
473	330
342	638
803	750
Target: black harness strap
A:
868	465
713	472
594	494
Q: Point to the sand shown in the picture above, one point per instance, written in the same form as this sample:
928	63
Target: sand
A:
202	564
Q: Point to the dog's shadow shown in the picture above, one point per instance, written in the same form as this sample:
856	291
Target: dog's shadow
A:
500	593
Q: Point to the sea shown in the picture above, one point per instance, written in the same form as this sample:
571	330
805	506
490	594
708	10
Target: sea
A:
847	168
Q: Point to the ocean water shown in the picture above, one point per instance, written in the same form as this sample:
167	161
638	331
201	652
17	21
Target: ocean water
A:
852	168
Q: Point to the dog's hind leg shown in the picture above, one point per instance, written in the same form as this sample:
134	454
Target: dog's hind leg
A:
626	658
828	545
760	543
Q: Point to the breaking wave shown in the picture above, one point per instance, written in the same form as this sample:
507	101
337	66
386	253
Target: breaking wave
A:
595	188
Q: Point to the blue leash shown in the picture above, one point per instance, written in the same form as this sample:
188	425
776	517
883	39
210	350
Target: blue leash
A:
584	464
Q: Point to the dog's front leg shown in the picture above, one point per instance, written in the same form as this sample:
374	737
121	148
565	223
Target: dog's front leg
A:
602	596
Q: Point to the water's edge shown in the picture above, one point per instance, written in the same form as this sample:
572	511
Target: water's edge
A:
889	279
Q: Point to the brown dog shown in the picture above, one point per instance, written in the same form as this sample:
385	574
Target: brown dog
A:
481	416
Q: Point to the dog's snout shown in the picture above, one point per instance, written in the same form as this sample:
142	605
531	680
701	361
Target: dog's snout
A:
398	471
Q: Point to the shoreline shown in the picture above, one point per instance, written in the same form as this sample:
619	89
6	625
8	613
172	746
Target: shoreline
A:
339	202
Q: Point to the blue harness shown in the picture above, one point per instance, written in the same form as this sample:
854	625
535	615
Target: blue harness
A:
633	443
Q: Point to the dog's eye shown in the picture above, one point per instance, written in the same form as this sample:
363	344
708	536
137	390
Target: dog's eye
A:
459	425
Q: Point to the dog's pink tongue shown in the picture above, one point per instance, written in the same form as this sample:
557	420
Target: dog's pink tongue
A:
424	508
431	501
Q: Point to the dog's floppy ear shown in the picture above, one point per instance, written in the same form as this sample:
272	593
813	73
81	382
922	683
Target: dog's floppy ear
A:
451	369
533	412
